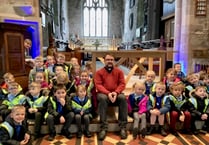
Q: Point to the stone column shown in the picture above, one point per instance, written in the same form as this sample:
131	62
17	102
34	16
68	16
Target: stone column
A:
177	28
182	35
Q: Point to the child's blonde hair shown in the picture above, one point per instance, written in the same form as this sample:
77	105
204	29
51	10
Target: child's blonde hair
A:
150	72
8	75
191	76
171	70
60	55
63	76
28	41
177	85
200	87
17	107
74	61
34	84
140	85
50	56
204	76
13	84
159	84
43	74
81	87
84	71
39	58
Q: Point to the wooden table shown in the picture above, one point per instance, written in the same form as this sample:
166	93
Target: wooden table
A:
138	57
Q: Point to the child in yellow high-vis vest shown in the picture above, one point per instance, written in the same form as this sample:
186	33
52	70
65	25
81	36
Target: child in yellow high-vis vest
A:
14	97
36	104
179	109
158	107
149	82
85	80
39	67
13	130
82	106
199	108
59	112
62	78
61	60
8	78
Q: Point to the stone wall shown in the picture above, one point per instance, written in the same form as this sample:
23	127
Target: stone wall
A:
191	34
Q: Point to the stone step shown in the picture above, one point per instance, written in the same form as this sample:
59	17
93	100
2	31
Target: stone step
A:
93	127
112	115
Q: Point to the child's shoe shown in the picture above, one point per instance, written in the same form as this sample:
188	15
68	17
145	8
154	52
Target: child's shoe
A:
143	132
87	133
174	132
79	134
162	131
66	133
151	129
135	132
51	137
195	132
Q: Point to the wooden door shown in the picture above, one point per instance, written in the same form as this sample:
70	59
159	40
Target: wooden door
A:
14	52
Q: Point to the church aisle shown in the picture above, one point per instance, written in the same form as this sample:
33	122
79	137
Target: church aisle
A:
113	139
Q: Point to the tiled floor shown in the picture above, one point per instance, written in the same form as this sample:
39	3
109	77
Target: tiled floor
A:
114	139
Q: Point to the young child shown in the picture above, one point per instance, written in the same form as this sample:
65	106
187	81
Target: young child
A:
8	78
159	106
36	106
74	61
81	105
89	69
137	108
179	108
88	82
204	78
59	111
39	67
27	46
75	73
67	66
59	68
40	78
62	78
50	61
199	108
180	74
14	97
192	81
149	82
14	131
171	77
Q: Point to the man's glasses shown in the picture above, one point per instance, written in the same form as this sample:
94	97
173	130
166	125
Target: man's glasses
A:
109	59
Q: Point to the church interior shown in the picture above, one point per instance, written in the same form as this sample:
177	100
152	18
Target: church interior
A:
142	35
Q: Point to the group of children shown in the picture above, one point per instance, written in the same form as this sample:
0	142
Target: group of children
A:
61	92
178	98
58	95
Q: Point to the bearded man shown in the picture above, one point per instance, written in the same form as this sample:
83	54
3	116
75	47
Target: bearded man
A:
110	83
